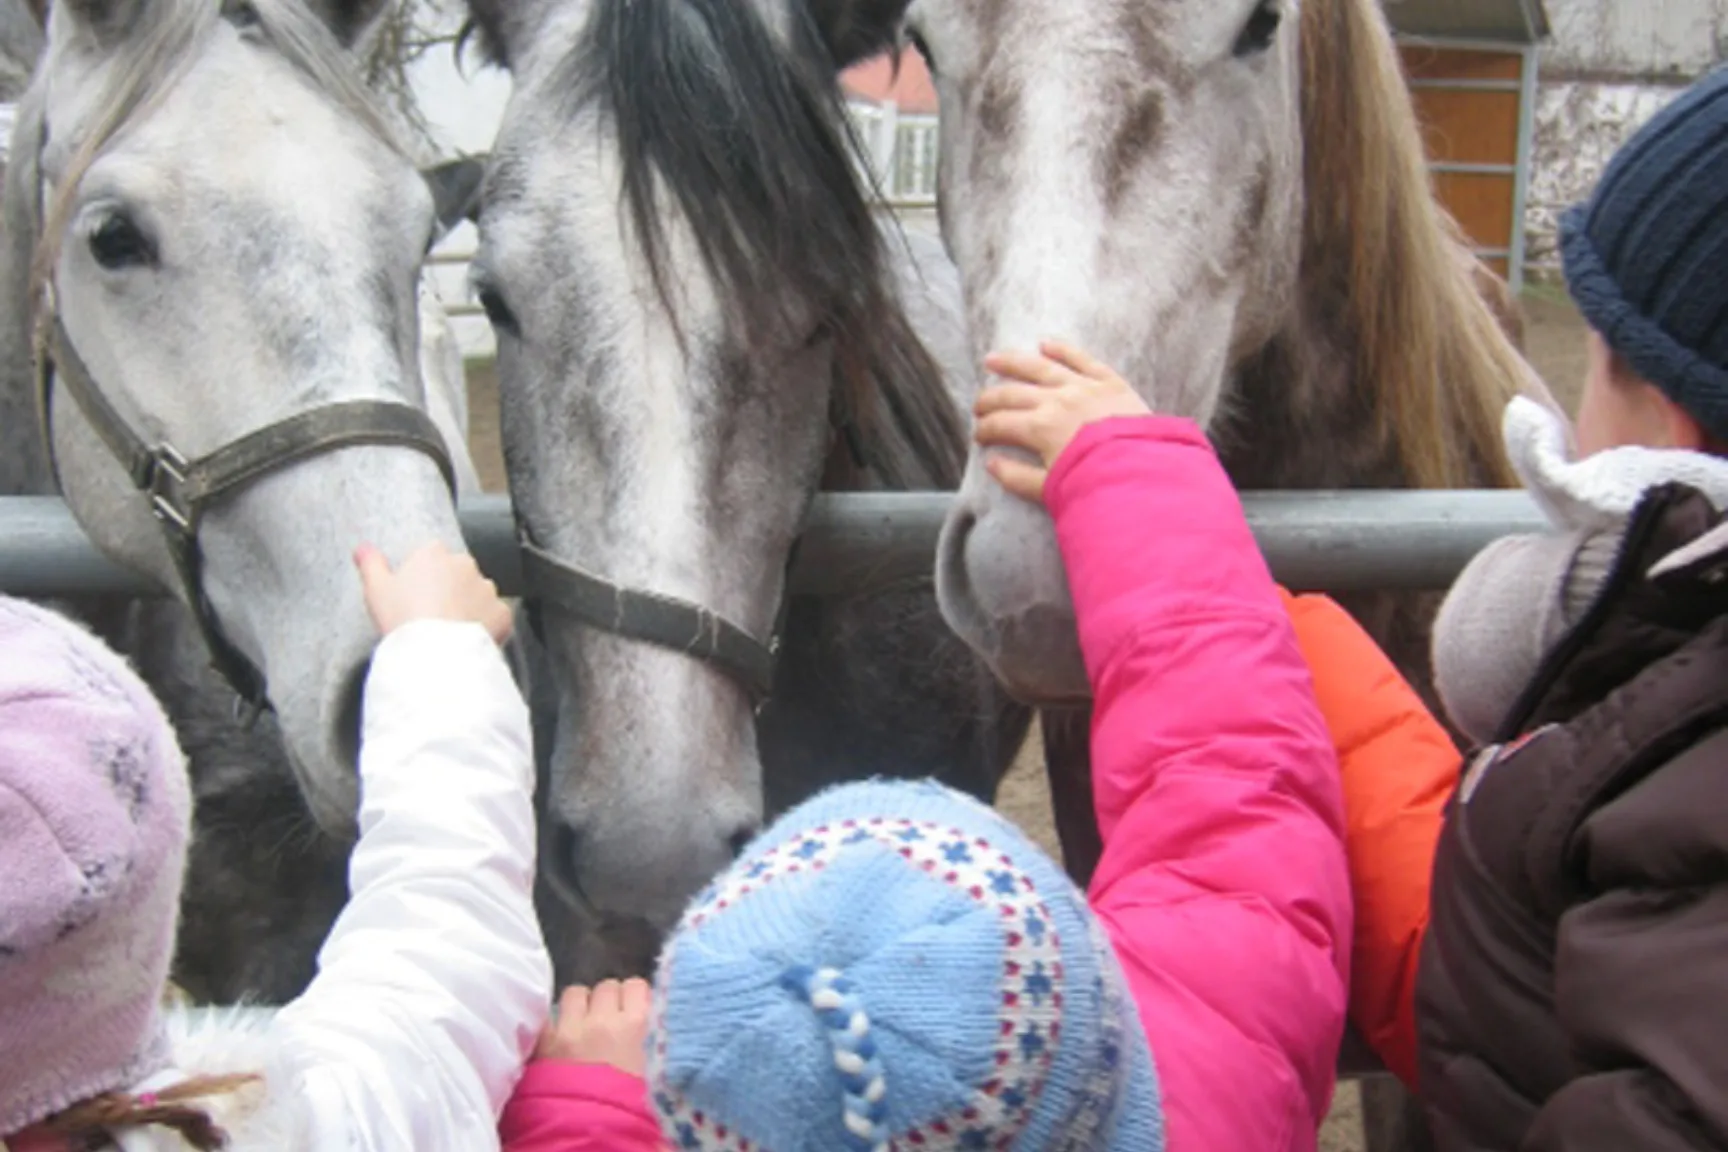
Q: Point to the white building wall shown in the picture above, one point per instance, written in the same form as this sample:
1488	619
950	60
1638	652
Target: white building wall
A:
1609	66
1655	39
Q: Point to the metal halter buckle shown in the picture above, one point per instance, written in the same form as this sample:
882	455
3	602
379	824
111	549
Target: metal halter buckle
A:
166	484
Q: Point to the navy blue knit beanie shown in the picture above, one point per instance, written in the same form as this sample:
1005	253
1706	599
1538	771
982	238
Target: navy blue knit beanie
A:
1647	256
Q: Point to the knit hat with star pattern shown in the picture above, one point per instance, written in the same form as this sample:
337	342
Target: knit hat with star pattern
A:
895	965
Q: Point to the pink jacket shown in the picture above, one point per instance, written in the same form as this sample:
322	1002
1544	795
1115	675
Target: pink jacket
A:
563	1107
1223	882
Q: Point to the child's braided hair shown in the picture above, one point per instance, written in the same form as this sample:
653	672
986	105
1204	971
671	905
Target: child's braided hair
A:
86	1126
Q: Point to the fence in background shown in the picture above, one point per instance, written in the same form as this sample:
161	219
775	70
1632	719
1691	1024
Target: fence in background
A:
1322	541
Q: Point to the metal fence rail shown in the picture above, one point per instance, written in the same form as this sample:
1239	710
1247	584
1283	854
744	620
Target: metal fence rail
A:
1323	541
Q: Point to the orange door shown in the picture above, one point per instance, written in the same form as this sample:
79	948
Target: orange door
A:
1470	103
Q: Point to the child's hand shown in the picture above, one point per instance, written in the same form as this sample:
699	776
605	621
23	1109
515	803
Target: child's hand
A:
607	1024
1060	392
434	584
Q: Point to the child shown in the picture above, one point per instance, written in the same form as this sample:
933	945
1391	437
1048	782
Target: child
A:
1571	982
432	985
896	963
1398	767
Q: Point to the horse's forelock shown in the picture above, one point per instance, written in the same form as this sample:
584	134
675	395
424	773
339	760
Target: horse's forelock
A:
1422	337
308	44
746	134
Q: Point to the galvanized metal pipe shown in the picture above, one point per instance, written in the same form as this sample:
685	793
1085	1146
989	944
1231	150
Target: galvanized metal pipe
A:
1325	541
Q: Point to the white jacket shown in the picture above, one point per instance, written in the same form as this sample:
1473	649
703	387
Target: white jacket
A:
434	982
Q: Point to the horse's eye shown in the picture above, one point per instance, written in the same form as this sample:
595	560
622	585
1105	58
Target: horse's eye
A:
241	14
916	39
498	312
119	243
1261	29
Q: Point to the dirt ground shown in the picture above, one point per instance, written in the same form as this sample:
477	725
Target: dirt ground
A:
1554	342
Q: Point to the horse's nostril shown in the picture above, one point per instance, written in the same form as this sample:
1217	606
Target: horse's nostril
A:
951	548
954	591
349	714
741	839
960	530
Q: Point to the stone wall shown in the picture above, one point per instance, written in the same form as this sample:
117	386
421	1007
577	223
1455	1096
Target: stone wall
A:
1579	126
1647	40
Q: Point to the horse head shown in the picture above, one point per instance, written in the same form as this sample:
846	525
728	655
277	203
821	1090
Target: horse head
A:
1122	175
690	295
228	240
1228	202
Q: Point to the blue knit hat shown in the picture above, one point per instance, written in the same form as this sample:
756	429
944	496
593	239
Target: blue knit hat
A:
893	965
1647	256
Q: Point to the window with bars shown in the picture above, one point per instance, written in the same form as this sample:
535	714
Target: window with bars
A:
902	152
915	159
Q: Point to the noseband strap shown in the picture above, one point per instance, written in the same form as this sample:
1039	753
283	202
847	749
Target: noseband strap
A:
664	621
181	490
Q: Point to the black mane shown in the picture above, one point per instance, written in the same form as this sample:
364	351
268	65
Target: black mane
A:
752	143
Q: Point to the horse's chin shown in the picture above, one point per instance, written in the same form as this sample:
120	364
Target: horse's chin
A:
1051	679
588	945
332	797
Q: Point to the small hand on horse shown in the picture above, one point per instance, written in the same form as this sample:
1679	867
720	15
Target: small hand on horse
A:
1052	397
606	1024
432	584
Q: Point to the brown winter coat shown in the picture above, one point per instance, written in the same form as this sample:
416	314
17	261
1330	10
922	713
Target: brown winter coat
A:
1573	988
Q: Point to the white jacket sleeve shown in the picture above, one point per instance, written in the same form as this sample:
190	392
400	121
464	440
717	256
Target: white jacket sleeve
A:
435	982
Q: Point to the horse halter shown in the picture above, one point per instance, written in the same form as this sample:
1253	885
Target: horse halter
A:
653	618
667	621
181	491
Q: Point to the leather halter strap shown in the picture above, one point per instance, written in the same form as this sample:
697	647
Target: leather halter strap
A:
653	618
667	621
181	490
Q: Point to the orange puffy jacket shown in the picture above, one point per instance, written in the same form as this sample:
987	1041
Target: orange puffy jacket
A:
1399	768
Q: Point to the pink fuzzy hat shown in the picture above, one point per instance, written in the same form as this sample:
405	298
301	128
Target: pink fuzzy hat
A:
94	814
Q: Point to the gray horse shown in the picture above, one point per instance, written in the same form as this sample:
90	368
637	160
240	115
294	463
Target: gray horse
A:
233	238
1228	201
700	323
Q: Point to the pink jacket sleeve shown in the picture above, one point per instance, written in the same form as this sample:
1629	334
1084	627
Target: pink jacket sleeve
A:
565	1107
1223	882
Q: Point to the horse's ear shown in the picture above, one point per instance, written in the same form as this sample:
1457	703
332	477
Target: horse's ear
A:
352	22
456	189
856	30
505	27
21	26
